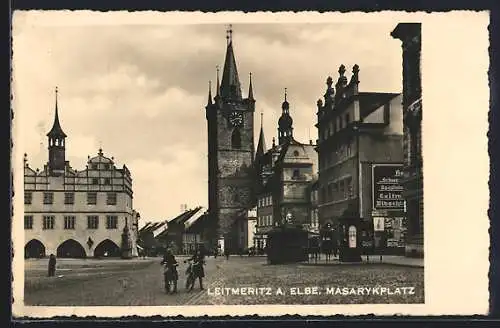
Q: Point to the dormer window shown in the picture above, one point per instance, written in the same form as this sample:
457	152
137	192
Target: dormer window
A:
94	166
296	153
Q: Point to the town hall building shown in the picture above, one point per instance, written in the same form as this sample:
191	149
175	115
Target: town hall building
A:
78	213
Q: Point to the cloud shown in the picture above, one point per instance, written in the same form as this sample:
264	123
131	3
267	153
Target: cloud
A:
139	91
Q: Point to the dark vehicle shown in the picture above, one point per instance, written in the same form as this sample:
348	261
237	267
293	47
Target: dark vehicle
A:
287	244
170	276
192	272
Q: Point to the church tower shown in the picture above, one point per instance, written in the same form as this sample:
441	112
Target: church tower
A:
230	120
57	146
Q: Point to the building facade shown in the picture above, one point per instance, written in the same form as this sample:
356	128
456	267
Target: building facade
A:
78	213
231	179
357	131
287	172
314	196
410	35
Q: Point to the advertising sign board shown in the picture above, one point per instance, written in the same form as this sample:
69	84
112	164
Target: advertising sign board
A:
387	190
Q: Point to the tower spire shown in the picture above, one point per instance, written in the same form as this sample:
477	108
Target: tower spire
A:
209	102
250	88
57	144
230	86
229	33
218	82
261	146
56	130
285	122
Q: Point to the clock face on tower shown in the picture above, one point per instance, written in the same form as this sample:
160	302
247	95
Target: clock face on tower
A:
236	118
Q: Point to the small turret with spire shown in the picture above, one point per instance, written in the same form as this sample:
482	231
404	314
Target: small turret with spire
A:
285	122
261	146
353	84
57	143
250	89
209	101
341	83
329	94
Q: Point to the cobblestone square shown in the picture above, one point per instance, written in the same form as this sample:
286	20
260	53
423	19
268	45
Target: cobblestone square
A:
239	280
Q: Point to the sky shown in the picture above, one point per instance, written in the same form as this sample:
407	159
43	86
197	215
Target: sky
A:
139	91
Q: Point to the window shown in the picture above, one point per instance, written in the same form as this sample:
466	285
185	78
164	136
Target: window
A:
350	193
69	198
91	198
347	119
111	199
236	139
106	166
341	188
95	181
107	181
69	222
48	222
296	153
94	166
296	174
48	198
111	221
92	222
28	222
28	197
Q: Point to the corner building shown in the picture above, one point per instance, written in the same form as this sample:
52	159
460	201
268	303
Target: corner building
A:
78	213
231	178
356	131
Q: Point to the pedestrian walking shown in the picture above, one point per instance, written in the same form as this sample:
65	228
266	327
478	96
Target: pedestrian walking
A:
52	265
226	253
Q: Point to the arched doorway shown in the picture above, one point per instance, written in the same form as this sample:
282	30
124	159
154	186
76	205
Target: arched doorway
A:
34	249
71	248
107	248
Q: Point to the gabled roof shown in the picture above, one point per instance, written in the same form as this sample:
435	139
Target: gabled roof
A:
198	224
183	217
370	101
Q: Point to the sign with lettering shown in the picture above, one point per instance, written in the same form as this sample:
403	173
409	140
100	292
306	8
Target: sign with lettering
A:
387	191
